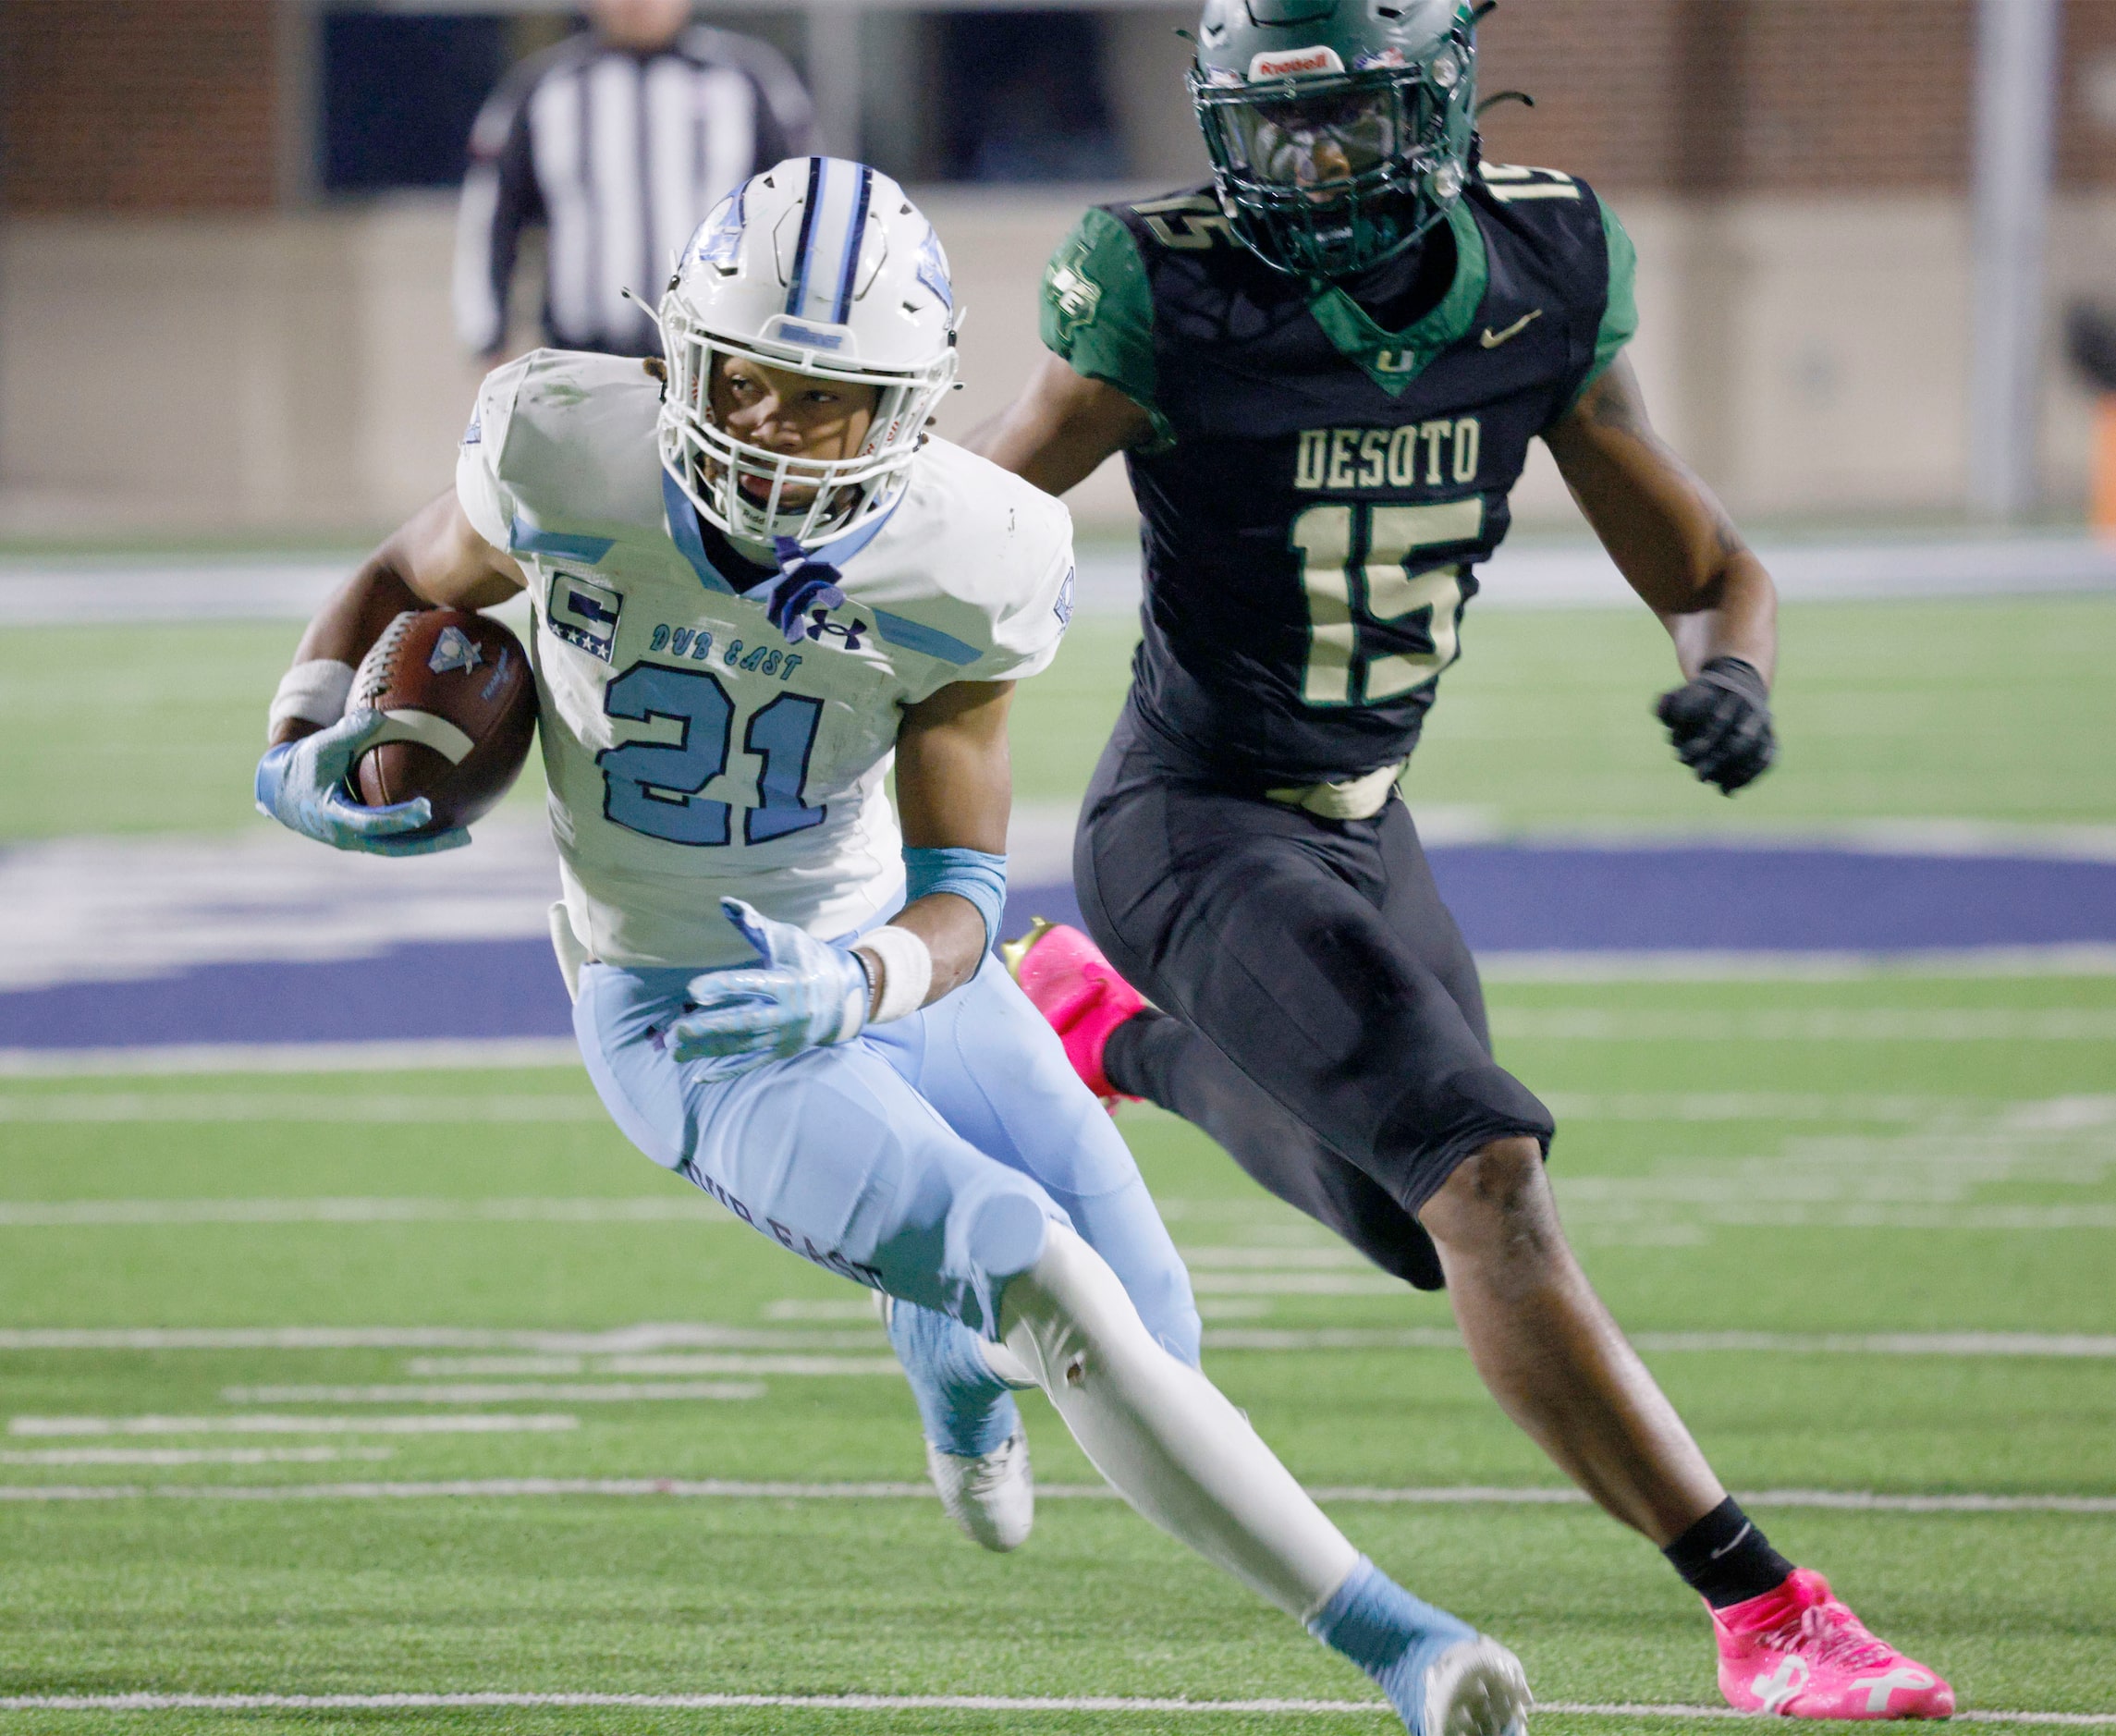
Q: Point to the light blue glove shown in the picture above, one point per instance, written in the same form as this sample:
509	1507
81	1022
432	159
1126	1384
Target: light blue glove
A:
803	994
302	785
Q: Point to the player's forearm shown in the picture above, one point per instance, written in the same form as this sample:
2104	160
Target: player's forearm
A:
1735	614
1665	529
1021	440
342	631
1060	429
954	792
357	614
953	931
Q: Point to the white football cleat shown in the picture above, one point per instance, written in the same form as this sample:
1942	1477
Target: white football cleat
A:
1477	1688
992	1497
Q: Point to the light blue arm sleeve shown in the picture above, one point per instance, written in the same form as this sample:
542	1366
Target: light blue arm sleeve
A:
969	873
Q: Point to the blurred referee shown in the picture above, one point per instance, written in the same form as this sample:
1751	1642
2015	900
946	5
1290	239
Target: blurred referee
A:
619	141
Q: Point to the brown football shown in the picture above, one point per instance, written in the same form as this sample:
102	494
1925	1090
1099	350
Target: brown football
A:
460	698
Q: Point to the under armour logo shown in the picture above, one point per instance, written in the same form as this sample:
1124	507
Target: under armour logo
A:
453	650
820	623
1880	1687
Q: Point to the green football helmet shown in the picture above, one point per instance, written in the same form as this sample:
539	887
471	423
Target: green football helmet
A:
1339	130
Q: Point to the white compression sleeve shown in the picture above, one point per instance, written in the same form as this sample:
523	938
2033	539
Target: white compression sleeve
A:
905	965
314	691
1164	1435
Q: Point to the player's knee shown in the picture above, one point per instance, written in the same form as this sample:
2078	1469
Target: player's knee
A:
1497	1204
993	1235
1067	1313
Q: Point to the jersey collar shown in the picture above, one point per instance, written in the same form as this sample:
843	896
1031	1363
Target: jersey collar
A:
682	518
1393	360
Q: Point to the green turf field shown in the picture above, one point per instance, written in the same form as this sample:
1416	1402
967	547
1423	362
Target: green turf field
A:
1922	1187
1862	1229
1974	710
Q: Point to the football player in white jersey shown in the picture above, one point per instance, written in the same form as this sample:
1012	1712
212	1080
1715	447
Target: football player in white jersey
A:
755	578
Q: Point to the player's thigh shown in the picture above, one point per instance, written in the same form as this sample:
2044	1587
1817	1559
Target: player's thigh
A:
1412	906
831	1152
993	1069
1228	913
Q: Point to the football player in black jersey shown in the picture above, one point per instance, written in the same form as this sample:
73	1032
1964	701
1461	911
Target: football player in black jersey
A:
1324	370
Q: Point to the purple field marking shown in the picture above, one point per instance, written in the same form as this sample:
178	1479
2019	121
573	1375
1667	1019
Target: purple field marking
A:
1508	898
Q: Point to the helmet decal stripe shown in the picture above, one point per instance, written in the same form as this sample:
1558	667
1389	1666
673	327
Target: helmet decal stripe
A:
796	289
847	279
826	264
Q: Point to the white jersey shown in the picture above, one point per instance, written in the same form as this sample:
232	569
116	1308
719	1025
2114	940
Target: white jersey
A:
692	753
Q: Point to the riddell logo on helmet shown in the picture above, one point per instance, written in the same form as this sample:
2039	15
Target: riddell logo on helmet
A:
1296	63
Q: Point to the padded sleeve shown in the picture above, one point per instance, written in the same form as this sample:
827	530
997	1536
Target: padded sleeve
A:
1620	313
1098	311
486	500
1027	631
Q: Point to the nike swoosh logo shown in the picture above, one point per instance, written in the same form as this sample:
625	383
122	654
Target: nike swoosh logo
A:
1492	340
1739	1535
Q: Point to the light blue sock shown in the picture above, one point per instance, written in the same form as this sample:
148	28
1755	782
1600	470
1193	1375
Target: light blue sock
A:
1388	1633
967	1410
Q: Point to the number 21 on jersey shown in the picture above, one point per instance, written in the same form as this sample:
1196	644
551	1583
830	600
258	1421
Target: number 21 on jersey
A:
1349	601
657	788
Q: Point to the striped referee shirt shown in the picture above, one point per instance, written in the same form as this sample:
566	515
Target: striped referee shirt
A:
620	155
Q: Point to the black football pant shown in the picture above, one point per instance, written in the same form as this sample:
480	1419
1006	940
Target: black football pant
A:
1325	1021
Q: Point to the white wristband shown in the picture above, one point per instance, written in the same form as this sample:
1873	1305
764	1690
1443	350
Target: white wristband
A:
905	966
314	691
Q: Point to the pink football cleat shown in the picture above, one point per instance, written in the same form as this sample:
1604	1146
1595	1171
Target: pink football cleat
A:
1065	975
1797	1652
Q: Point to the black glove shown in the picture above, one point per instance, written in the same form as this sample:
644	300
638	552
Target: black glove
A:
1720	723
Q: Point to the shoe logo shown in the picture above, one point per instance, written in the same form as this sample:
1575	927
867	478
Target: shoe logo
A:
1492	340
1880	1687
1777	1689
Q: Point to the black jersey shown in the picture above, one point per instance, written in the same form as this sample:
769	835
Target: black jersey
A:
1318	492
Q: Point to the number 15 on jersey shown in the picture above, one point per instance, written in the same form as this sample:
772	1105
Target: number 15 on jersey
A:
1380	596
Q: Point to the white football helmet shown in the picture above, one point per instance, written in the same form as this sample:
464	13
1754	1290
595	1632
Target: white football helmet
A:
824	267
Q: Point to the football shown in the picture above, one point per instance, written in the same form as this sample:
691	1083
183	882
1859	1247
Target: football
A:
460	699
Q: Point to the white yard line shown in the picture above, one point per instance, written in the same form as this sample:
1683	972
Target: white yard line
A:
738	1363
677	1204
624	1349
1812	1024
415	1054
615	1341
431	1110
723	1488
875	1702
1682	1107
167	1456
1965	1344
1597	1205
2070	959
601	1393
490	1423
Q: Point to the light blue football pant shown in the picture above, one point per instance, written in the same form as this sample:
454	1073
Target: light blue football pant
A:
923	1159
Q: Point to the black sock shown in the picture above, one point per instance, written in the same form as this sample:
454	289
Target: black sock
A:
1125	1060
1726	1559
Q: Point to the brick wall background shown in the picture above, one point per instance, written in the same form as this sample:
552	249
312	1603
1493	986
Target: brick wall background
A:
138	105
172	105
1764	96
2087	140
